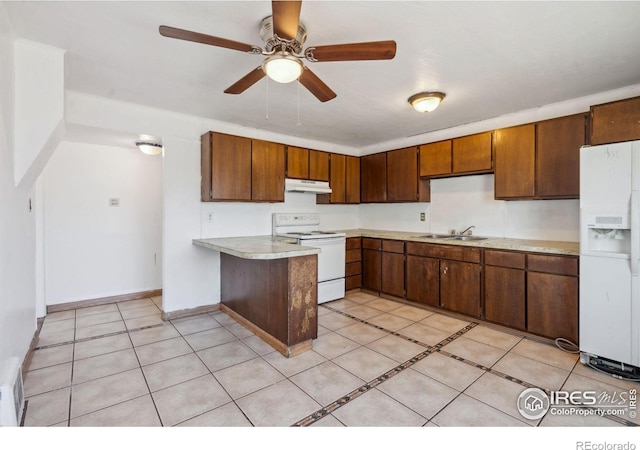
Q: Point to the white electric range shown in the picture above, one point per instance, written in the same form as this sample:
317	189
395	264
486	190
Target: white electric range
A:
304	227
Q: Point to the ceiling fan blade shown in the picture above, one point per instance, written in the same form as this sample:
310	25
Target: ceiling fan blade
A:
286	16
361	51
246	82
316	86
193	36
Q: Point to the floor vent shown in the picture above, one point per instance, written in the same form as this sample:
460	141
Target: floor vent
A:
11	394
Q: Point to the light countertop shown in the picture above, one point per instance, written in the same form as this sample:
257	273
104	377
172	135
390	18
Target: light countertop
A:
257	247
526	245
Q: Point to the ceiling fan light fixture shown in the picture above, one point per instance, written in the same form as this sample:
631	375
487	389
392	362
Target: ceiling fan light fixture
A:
426	101
149	148
282	67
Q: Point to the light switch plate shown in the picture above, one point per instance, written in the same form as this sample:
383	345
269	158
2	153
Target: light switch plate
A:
423	217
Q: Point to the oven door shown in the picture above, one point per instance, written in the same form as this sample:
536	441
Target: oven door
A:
331	258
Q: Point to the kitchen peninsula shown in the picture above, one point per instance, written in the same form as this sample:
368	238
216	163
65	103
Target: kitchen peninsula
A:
269	285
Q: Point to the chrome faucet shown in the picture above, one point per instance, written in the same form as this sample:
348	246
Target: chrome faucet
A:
467	229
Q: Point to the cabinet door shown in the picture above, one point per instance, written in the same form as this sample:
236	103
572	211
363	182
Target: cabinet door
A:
352	191
423	280
615	122
558	156
230	169
297	163
504	296
392	282
318	165
373	178
402	175
514	151
552	305
267	174
472	153
338	178
435	159
460	287
371	269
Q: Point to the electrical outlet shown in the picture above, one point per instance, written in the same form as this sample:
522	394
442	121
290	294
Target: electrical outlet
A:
210	217
423	217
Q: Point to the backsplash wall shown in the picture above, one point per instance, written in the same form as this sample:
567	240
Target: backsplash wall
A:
459	202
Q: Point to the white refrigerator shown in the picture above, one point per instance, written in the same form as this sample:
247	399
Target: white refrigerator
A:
609	257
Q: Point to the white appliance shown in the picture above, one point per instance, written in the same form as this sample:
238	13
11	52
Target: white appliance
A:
331	261
609	258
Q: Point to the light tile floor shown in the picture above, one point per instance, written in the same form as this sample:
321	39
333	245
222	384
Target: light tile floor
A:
373	364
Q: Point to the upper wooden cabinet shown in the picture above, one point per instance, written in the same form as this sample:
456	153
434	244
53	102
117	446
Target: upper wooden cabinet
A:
435	159
460	156
373	178
558	156
226	167
267	171
241	169
615	122
515	156
472	154
307	164
402	175
344	180
539	161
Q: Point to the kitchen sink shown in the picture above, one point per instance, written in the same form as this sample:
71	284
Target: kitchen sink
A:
467	238
435	236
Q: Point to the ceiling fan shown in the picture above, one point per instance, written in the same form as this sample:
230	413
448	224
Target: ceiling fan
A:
283	35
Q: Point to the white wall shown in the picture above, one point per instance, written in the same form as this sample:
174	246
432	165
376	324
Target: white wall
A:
457	203
17	228
91	249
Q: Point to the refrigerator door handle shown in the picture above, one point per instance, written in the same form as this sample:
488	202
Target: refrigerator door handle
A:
635	232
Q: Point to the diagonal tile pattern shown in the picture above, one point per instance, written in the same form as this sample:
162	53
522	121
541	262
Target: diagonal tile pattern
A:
376	362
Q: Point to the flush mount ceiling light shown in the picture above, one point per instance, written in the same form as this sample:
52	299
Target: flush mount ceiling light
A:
149	148
426	101
282	67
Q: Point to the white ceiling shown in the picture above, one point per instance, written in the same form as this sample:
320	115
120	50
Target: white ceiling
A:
490	58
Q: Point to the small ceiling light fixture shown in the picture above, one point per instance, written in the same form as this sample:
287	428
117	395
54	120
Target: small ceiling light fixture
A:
282	67
426	101
149	148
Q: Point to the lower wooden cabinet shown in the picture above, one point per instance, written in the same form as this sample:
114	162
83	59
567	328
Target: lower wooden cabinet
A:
423	280
505	288
372	264
504	296
460	287
392	265
353	261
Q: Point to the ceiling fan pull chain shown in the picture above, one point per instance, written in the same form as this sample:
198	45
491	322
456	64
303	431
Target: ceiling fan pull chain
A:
299	123
267	113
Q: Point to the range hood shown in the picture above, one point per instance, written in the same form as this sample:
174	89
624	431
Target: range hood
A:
311	186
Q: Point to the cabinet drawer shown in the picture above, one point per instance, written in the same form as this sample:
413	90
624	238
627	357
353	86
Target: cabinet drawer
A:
561	265
457	253
353	268
504	259
353	243
372	244
353	255
393	246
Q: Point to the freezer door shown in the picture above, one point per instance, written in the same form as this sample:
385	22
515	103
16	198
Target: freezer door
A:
605	176
606	308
